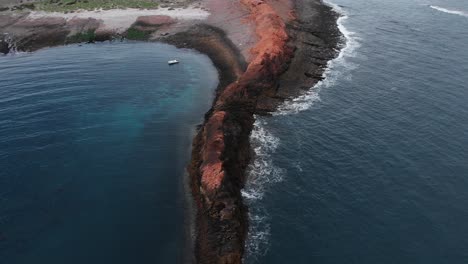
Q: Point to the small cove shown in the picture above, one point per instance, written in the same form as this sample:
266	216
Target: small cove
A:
94	140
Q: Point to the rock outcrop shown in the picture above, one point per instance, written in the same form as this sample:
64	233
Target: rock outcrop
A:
295	42
4	47
221	151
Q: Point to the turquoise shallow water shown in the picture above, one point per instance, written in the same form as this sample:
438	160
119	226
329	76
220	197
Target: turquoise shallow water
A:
93	144
372	165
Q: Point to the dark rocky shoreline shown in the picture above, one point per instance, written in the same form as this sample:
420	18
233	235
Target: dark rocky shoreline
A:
222	140
316	39
221	219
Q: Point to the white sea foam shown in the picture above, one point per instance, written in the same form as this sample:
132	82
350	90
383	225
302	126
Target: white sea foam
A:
448	11
262	173
336	68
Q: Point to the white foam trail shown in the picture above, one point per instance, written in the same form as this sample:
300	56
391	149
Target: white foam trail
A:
262	173
448	11
336	68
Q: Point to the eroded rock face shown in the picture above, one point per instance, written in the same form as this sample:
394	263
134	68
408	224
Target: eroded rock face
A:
43	22
154	20
4	47
32	33
223	153
221	150
153	23
270	58
83	24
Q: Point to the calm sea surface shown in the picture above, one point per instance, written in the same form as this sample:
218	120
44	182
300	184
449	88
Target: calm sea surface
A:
371	167
93	144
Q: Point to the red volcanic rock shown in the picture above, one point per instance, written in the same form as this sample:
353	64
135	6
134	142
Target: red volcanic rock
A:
270	55
80	25
45	22
10	19
37	33
152	23
83	24
271	30
212	169
222	148
156	20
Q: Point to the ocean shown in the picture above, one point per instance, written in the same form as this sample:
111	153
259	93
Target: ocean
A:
371	165
94	140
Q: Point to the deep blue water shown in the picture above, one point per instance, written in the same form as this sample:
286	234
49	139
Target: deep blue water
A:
374	166
93	144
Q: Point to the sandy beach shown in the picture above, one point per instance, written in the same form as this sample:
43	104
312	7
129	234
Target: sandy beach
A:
122	19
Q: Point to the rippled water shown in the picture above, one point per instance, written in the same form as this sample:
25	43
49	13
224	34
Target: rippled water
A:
93	144
371	166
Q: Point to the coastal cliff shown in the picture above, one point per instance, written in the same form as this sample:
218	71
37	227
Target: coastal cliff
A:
221	149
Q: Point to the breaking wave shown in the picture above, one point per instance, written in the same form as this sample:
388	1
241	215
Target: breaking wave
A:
336	68
262	173
448	11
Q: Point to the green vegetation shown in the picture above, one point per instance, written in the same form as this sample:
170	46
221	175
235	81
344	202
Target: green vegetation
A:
72	5
135	34
88	36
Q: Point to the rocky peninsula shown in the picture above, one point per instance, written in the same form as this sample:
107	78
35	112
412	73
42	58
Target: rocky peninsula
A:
266	51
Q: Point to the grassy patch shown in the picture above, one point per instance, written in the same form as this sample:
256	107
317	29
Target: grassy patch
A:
88	36
135	34
72	5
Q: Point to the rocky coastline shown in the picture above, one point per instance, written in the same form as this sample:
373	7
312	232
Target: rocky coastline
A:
289	58
292	42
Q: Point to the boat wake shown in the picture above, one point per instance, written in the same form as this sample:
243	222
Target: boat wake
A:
339	67
262	172
448	11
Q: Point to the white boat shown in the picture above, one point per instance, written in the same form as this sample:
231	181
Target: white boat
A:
172	62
